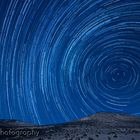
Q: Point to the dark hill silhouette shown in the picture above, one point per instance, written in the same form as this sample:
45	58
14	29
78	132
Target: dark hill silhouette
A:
100	126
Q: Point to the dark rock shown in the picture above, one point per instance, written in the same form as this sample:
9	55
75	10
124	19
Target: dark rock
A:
112	126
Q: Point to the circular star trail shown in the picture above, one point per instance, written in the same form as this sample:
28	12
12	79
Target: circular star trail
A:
65	59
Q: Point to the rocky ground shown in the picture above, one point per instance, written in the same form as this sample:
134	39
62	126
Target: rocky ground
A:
101	126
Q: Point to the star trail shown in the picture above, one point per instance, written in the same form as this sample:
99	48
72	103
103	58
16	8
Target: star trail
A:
65	59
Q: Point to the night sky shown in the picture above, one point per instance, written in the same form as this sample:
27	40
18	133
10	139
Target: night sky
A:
65	59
